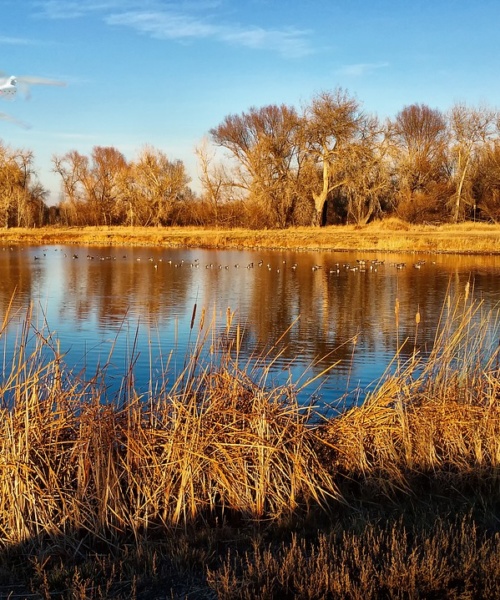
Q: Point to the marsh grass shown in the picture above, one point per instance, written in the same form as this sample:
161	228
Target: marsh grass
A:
215	441
437	418
221	485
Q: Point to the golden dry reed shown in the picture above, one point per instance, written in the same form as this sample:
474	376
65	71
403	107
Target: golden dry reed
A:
222	440
439	416
216	441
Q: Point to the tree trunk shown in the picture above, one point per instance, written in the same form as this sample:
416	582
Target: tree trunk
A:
320	199
459	191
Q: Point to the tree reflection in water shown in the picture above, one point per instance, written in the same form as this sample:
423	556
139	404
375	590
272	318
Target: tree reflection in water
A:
307	309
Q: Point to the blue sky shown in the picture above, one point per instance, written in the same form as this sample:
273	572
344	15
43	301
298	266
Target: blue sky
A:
163	73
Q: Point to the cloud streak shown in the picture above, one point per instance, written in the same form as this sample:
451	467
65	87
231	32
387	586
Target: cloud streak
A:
176	26
291	43
184	23
360	69
70	9
15	41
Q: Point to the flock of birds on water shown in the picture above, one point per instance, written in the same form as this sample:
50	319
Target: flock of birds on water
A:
360	265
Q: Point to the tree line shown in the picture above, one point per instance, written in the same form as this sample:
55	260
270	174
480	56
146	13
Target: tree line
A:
276	166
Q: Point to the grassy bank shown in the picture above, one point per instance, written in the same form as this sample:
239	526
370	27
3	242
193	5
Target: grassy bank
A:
222	486
389	235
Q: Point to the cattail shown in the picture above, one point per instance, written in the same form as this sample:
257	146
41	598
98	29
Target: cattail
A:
193	316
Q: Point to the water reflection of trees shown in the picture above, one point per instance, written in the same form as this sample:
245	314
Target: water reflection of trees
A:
17	275
313	304
114	283
337	303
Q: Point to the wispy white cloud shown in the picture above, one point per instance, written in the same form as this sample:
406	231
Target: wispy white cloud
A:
360	69
15	41
177	26
290	42
181	21
163	25
74	9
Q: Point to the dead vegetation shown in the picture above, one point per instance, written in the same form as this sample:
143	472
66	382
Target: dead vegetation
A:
390	234
223	486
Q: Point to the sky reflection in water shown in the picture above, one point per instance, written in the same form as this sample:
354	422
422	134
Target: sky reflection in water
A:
123	305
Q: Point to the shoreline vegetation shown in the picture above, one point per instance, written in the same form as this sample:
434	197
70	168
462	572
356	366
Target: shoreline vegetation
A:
220	485
388	235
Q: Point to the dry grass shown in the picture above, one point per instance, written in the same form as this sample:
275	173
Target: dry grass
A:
390	235
380	561
220	483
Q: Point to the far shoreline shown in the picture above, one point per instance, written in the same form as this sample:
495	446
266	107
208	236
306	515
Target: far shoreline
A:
390	235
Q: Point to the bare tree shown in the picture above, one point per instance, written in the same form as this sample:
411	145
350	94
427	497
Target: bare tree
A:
332	128
158	186
419	136
102	182
91	186
366	177
486	187
215	180
264	144
471	129
71	168
104	188
38	211
19	190
418	143
10	180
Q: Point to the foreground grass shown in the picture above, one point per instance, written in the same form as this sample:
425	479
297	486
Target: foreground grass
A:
222	486
391	235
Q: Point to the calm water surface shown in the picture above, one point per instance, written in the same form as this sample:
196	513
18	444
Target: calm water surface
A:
123	305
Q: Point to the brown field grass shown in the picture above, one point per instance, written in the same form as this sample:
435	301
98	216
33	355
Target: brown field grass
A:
222	486
390	235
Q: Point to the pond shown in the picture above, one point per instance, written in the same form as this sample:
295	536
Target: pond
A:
299	311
